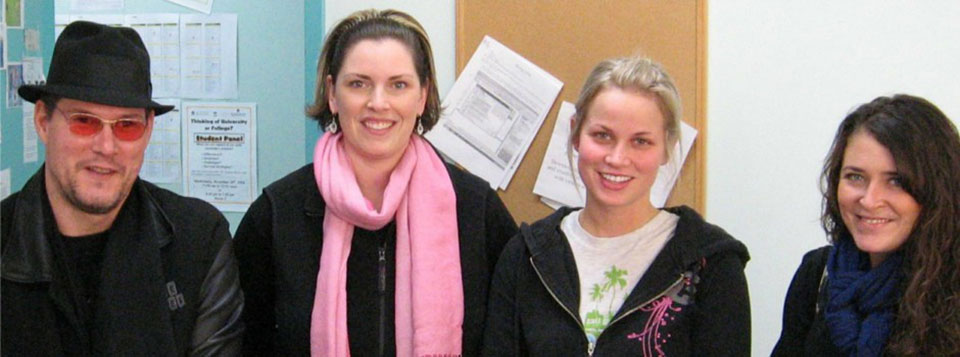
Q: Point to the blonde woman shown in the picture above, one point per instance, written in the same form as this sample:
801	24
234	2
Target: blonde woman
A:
621	277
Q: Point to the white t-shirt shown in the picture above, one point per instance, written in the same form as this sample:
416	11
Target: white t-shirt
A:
611	267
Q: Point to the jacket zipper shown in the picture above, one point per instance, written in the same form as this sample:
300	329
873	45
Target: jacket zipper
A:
564	307
638	307
382	289
592	346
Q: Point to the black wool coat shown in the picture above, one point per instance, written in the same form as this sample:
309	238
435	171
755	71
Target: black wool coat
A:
279	243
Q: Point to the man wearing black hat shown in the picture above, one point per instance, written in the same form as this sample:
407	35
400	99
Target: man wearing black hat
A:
94	260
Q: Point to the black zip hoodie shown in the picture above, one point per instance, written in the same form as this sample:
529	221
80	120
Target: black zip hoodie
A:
692	300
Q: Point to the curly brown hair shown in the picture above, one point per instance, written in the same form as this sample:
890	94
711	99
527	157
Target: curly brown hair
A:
926	149
376	24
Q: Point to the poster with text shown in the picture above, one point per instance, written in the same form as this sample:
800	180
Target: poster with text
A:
220	153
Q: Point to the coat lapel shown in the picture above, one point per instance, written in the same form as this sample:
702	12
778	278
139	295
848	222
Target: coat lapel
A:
133	312
28	255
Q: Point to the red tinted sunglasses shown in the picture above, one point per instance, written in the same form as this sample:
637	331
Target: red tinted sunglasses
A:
86	124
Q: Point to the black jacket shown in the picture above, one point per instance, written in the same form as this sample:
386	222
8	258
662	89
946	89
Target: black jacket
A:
279	243
692	301
804	330
169	284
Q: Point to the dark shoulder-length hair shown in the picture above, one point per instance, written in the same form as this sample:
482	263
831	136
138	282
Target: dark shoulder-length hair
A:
374	25
926	150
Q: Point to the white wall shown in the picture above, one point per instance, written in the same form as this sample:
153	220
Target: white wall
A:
436	16
782	75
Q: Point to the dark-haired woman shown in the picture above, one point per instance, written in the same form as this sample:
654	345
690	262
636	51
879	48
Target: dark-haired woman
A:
889	283
377	247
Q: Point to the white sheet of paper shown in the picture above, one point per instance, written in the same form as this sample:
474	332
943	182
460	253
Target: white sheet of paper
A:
33	70
493	112
551	203
105	19
95	5
220	153
4	183
670	172
203	6
556	180
161	162
30	150
31	40
556	186
59	22
208	56
161	35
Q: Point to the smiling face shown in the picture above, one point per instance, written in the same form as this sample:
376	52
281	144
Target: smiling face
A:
90	174
876	210
378	96
621	146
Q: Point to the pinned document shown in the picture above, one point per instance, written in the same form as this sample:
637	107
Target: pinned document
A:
493	112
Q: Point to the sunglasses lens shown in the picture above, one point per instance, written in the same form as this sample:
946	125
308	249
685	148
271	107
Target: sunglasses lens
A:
125	130
84	125
129	130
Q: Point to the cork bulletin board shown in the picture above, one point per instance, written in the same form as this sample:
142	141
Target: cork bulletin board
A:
567	38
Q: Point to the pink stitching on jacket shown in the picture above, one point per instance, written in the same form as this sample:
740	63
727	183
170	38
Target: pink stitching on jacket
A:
650	337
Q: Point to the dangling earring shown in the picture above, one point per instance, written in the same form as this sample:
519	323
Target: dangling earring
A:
419	126
333	127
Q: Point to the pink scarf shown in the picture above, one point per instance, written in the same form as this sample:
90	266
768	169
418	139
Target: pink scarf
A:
429	287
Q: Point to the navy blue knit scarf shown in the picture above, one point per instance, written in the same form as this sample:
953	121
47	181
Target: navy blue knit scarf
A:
862	301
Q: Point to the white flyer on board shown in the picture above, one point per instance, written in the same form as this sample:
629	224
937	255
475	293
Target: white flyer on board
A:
161	161
204	6
161	35
493	112
208	56
220	153
31	150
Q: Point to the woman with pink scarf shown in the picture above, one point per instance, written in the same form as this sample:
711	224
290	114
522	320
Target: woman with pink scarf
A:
377	247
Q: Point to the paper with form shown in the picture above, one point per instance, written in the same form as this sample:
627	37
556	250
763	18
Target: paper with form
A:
493	112
161	162
161	35
208	56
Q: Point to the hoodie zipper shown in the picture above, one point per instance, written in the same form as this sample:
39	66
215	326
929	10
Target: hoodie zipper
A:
382	289
564	307
592	346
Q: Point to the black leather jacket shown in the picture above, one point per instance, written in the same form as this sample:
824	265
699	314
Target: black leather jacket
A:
168	287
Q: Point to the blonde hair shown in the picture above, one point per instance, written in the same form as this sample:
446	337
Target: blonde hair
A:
632	73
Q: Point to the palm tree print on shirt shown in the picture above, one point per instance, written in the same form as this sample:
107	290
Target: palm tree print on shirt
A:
611	289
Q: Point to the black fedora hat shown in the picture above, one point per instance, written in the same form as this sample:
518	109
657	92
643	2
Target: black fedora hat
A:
100	64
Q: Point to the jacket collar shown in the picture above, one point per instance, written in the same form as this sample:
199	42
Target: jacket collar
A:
552	258
28	256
